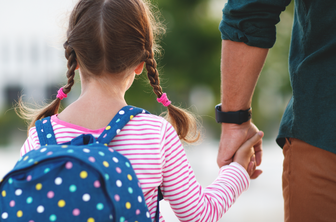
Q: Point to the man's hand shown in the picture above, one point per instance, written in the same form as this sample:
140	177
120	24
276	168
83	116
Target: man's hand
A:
233	136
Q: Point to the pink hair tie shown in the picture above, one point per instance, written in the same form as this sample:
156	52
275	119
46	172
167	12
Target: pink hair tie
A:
60	94
164	100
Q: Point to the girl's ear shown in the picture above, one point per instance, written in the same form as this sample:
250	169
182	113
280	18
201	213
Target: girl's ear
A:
138	69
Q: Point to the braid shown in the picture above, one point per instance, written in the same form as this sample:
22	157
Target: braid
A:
153	74
70	55
184	122
53	107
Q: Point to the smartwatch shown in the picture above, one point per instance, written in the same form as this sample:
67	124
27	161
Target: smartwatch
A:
237	117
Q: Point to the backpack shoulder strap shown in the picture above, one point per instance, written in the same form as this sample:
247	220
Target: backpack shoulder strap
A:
45	132
124	115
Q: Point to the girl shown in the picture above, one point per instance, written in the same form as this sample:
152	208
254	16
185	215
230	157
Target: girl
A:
110	41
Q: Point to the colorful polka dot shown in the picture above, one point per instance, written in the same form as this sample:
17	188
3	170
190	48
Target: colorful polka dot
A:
86	197
86	150
72	188
61	203
118	131
108	128
52	217
117	120
10	180
121	112
40	209
139	199
101	153
44	121
137	212
58	181
50	194
65	146
12	203
106	164
96	184
49	135
118	170
131	117
115	159
129	177
110	149
43	150
127	164
147	214
29	200
119	183
70	151
18	192
130	190
128	205
107	177
122	219
92	159
30	161
19	213
68	165
117	197
90	220
46	170
76	212
105	135
4	215
83	174
105	144
38	186
49	153
3	193
25	158
100	206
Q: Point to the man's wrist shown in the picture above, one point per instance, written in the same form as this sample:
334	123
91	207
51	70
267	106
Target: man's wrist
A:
232	117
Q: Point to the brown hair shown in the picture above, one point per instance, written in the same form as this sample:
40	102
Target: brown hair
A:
108	36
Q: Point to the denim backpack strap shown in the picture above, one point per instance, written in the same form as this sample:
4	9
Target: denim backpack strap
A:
160	197
45	132
124	115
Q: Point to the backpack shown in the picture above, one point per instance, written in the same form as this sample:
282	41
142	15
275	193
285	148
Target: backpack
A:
81	180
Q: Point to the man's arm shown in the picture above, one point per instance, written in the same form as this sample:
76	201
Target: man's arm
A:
240	67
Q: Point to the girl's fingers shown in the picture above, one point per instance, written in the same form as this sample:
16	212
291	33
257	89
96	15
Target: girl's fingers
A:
252	141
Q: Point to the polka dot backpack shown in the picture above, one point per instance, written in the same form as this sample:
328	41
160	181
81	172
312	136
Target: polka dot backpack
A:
82	180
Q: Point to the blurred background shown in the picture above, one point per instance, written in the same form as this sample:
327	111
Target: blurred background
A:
32	64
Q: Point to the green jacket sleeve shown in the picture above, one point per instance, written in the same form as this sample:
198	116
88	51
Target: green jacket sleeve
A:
252	21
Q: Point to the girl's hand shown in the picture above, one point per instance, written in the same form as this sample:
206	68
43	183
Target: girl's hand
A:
245	155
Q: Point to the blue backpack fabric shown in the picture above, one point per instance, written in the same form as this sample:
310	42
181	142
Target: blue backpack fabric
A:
82	180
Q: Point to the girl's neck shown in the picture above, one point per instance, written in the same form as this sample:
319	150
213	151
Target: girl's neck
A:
101	98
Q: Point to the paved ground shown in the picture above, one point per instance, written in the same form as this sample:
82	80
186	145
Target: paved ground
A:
261	203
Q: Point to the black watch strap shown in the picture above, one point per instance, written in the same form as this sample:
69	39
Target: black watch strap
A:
237	117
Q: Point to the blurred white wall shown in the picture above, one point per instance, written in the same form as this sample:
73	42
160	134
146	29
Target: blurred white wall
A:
31	54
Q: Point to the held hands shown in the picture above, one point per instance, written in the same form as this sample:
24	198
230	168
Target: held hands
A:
245	155
233	136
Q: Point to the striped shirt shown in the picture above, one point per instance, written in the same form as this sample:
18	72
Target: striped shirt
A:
158	158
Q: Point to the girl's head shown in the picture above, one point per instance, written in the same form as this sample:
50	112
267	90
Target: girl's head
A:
105	37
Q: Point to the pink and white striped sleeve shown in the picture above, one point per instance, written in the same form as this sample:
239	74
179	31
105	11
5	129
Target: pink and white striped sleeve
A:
187	198
32	142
